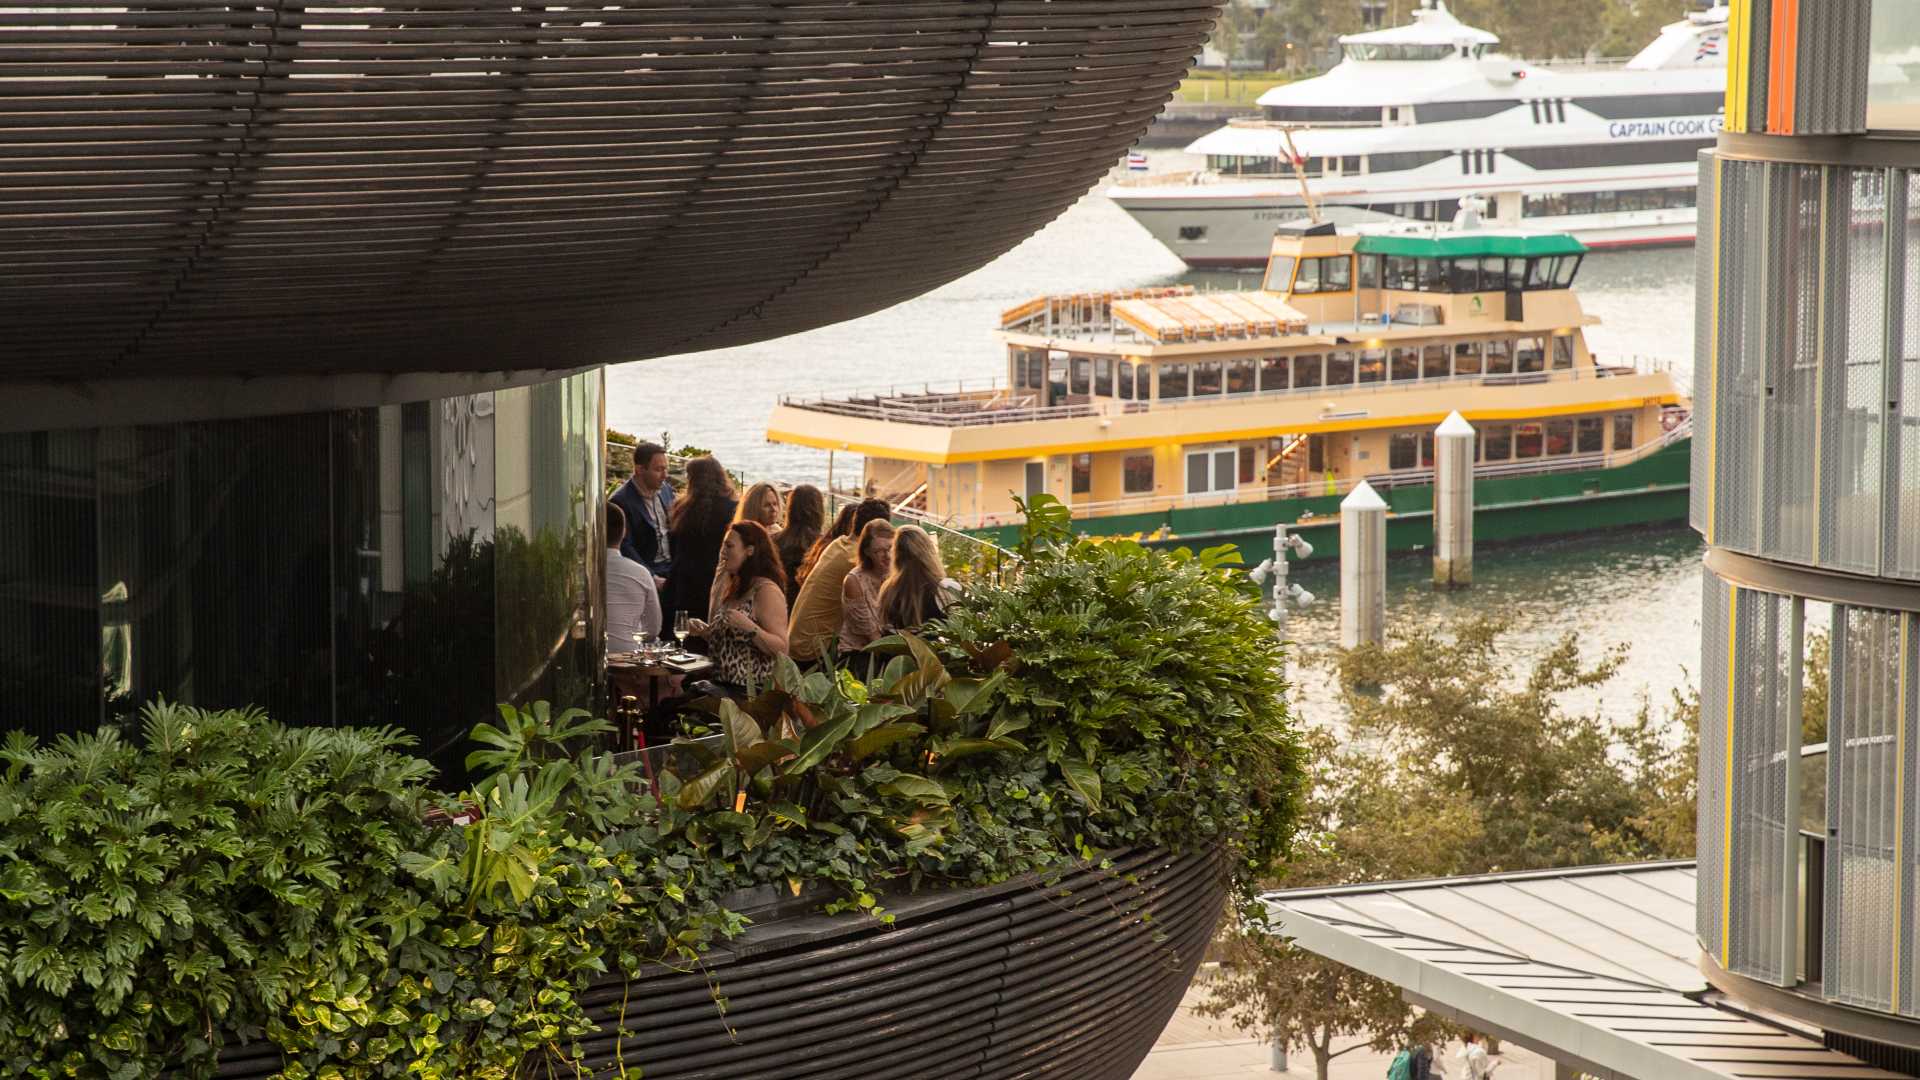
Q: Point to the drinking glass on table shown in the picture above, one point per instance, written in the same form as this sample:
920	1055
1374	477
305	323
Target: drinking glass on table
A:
680	627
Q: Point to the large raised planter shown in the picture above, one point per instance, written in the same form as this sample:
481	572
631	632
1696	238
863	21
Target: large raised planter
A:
1071	975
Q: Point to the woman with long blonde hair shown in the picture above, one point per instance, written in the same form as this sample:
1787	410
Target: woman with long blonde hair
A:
760	504
912	595
860	622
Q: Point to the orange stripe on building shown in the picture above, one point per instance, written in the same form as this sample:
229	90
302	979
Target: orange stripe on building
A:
1783	67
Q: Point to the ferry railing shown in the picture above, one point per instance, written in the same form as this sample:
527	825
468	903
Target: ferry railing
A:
976	408
1141	504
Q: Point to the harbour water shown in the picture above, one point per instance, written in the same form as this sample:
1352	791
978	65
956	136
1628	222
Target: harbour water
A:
1640	588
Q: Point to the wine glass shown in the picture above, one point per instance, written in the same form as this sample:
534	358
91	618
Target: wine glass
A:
680	627
639	642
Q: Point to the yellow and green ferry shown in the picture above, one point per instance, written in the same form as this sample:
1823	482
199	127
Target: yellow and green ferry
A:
1201	417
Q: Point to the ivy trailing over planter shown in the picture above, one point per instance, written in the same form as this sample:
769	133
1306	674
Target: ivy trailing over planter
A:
223	878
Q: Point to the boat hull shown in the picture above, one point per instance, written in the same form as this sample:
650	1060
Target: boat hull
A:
1651	491
1237	234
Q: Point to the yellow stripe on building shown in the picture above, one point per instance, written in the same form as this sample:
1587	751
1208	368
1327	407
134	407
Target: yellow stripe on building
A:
1739	70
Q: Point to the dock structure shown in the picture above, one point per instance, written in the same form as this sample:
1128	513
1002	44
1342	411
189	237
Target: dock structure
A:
1363	568
1453	443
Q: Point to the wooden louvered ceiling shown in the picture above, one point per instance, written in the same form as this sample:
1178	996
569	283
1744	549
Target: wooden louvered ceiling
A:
459	185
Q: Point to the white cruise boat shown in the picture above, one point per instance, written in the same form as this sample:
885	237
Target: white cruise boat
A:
1414	118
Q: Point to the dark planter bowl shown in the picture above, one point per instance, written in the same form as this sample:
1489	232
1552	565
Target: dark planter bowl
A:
1073	975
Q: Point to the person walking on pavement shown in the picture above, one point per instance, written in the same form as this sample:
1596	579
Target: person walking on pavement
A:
1474	1057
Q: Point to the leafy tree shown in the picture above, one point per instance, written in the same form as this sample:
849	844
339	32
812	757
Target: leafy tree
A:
1452	765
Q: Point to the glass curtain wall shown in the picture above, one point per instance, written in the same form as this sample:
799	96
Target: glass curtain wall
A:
407	564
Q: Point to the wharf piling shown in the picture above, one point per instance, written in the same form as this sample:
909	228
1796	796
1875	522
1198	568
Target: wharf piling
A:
1363	567
1453	444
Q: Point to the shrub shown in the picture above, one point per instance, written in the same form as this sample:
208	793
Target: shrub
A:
230	878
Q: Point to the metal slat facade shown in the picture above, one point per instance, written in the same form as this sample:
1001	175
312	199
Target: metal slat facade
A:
190	187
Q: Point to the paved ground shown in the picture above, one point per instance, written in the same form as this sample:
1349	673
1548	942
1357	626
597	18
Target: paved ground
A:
1196	1048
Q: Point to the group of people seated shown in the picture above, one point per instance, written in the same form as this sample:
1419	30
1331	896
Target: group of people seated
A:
760	577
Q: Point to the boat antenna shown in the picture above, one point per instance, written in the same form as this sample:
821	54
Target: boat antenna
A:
1295	162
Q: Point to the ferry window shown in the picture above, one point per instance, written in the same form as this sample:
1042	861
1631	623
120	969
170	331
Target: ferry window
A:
1499	442
1623	431
1126	381
1592	435
1137	474
1499	357
1463	275
1434	364
1336	273
1339	369
1493	273
1273	373
1579	202
1350	164
1022	373
1373	365
1082	473
1516	274
1527	441
1173	381
1562	352
1433	275
1212	470
1306	371
1036	478
1466	358
1559	437
1402	273
1605	202
1426	449
1242	376
1539	273
1528	355
1280	274
1056	378
1246	464
1206	378
1406	363
1403	450
1103	376
1563	273
1370	271
1083	375
1683	196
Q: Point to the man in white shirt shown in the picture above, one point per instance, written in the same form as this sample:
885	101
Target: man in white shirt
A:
633	603
1474	1057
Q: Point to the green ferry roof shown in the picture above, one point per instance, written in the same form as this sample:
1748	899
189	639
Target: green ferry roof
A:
1470	245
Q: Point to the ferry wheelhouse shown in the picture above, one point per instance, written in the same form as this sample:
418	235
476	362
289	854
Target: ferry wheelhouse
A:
1172	414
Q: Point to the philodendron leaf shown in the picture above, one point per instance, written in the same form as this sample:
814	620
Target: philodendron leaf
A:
874	714
1008	722
960	748
1083	778
969	696
918	788
880	738
926	677
742	733
760	755
819	743
695	792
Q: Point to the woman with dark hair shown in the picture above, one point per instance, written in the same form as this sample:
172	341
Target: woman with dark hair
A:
746	623
842	525
806	515
695	529
912	595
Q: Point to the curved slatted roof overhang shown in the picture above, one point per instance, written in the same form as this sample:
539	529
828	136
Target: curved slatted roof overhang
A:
459	185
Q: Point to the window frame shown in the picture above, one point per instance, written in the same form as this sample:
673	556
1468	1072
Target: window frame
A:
1130	472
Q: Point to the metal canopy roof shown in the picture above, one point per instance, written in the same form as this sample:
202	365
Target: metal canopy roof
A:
199	188
1591	966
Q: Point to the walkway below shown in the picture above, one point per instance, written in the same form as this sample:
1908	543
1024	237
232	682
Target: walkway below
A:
1194	1047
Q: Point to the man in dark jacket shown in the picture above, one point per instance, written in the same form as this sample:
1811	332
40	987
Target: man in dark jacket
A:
1423	1062
646	498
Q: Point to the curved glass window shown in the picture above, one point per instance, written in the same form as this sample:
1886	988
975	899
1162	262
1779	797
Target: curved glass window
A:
1383	51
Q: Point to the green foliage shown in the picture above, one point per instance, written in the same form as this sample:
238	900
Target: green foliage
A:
1150	683
154	893
227	878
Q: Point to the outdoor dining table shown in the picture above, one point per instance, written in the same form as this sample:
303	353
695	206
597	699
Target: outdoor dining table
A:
627	670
